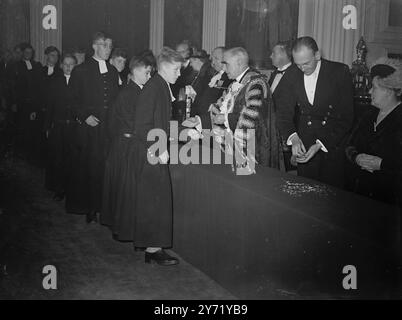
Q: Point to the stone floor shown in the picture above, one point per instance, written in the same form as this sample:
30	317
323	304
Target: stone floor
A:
35	231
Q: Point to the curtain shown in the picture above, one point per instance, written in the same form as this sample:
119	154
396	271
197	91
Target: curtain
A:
40	37
14	23
257	25
323	20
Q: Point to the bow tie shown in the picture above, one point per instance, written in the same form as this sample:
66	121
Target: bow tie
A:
280	72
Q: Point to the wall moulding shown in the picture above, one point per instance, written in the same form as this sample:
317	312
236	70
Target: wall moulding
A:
378	29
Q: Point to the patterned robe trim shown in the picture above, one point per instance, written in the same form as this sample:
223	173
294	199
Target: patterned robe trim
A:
256	90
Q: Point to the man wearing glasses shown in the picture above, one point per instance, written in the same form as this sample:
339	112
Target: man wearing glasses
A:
95	86
323	92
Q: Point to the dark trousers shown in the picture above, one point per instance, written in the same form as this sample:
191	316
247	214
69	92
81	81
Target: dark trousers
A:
85	186
154	204
30	135
58	164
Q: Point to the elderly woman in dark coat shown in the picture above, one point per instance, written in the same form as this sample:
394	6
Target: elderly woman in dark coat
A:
375	147
118	207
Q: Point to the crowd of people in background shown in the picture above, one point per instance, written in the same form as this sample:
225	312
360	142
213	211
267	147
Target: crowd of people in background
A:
85	119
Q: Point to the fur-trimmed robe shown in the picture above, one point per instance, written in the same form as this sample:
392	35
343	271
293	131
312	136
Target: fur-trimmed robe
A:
253	108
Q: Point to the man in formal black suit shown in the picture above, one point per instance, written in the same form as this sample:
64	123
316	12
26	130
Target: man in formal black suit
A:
10	78
199	61
323	92
217	83
9	94
5	59
79	54
118	60
50	70
187	75
95	86
59	122
28	89
51	66
281	81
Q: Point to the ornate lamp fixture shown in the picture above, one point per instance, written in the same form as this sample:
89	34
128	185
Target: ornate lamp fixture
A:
361	74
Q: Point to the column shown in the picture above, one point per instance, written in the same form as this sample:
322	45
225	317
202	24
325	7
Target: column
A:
46	26
214	24
156	26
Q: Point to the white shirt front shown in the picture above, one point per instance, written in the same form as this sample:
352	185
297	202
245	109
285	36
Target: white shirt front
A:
28	64
50	70
140	85
279	76
238	79
102	66
67	76
310	83
215	79
172	98
186	63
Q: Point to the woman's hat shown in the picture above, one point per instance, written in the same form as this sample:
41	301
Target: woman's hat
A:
389	72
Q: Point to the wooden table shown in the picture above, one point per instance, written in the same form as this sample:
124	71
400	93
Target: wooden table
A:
274	235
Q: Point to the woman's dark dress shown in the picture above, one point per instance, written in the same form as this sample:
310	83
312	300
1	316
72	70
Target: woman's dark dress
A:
118	206
384	142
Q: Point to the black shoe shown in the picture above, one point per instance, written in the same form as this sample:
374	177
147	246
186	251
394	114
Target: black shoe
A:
161	257
92	217
59	196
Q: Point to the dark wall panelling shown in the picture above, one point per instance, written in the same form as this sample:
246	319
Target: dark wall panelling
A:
183	21
126	20
258	24
395	13
14	23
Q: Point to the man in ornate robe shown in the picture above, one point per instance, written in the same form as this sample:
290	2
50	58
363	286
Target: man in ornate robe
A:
247	105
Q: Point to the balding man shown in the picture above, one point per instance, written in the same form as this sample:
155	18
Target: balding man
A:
186	72
323	91
218	82
246	105
187	75
281	81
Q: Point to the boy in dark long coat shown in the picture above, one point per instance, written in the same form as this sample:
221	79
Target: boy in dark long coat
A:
154	217
118	205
